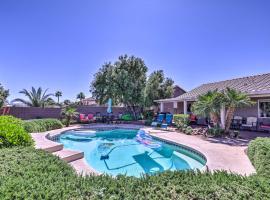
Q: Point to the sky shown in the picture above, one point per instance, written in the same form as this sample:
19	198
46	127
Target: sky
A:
61	44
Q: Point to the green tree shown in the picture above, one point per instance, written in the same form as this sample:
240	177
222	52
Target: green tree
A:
209	105
124	82
58	94
81	96
234	99
157	87
103	87
3	95
69	113
36	98
67	102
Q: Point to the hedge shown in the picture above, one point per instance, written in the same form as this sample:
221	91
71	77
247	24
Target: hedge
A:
42	125
12	133
259	155
27	173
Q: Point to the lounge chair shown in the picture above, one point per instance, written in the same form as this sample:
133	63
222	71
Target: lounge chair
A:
250	124
168	120
159	120
236	122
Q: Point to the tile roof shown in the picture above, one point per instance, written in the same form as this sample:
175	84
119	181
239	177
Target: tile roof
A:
252	85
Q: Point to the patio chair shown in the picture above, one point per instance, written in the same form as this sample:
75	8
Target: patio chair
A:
91	117
83	118
251	123
192	119
98	117
264	125
158	121
236	122
168	120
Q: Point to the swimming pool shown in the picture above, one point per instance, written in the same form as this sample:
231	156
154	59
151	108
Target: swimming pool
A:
118	151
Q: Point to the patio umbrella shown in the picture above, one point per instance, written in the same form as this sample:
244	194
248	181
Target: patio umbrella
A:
109	109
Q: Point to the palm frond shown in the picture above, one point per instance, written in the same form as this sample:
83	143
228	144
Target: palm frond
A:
28	103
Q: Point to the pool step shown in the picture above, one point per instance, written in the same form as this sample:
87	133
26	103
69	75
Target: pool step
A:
41	142
54	148
69	155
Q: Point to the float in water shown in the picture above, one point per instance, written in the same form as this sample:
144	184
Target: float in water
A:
145	139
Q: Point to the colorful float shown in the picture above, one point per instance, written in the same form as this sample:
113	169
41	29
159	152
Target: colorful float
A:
145	139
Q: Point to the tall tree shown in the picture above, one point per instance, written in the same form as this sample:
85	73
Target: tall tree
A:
157	87
58	94
81	96
103	87
124	82
3	95
234	99
36	98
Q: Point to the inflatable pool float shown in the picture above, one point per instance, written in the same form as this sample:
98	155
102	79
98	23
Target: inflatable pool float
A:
147	140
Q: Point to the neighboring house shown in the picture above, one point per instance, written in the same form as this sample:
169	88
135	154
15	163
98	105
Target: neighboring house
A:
170	105
89	102
257	88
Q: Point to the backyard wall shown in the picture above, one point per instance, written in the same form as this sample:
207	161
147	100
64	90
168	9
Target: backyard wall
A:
31	112
99	109
37	113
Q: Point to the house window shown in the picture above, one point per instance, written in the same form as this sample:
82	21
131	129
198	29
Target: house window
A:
264	108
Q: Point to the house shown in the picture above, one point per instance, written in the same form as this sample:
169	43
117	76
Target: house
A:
169	106
256	87
89	102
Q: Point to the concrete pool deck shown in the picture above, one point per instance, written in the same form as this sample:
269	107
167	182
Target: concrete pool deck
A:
219	156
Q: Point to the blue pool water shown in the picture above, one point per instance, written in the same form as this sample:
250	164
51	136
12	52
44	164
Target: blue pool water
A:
118	152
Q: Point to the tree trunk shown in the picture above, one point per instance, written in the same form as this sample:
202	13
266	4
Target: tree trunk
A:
229	117
214	118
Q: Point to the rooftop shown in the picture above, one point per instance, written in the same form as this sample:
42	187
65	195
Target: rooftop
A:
258	85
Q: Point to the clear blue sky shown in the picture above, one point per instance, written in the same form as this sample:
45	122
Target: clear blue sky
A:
60	44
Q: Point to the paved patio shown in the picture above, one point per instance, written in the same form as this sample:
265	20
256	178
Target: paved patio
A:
220	155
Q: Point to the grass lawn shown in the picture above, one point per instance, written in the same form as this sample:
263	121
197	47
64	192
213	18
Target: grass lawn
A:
27	173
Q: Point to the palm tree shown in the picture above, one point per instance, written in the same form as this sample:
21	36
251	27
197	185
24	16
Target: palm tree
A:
36	98
58	94
234	99
81	96
208	105
69	113
3	95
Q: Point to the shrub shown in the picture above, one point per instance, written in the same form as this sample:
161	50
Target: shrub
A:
24	176
216	131
181	120
41	125
187	130
259	155
12	132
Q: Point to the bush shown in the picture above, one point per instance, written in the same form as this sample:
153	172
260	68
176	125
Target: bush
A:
187	130
259	155
41	125
12	132
181	121
27	173
216	131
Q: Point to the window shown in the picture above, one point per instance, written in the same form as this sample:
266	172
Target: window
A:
264	108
